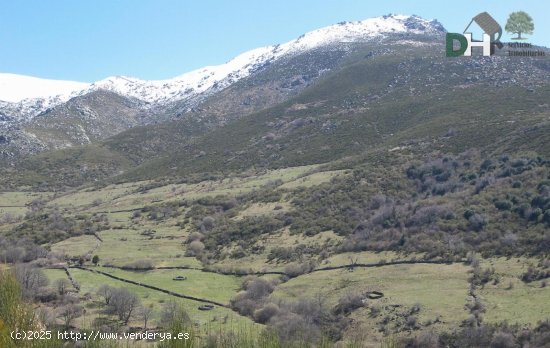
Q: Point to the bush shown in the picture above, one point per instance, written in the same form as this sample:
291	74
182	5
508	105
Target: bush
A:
195	248
263	315
292	327
477	222
517	184
172	313
468	213
503	205
535	213
193	236
503	340
16	314
348	303
207	223
257	288
139	265
297	269
46	294
243	305
95	260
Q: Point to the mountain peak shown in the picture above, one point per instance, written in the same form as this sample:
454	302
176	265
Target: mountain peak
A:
34	95
369	28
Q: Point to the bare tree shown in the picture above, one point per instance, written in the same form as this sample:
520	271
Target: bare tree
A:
31	278
145	312
69	313
106	292
124	304
62	285
173	312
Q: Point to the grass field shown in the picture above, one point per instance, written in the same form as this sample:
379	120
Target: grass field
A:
511	299
76	246
163	251
211	286
15	203
55	274
439	291
130	196
90	282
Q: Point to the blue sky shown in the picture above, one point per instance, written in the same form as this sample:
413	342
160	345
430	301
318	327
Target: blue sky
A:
87	40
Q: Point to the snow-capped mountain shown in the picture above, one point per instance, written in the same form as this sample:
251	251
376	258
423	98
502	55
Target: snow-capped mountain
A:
15	88
24	97
201	80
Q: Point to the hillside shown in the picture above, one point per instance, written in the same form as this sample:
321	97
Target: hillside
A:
351	188
376	98
23	98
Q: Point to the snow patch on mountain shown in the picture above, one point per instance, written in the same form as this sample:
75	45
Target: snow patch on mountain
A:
199	81
32	95
15	88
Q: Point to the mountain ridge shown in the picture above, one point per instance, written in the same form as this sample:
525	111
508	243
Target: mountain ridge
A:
195	85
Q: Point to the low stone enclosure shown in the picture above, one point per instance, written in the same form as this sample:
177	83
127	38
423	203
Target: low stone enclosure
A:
374	295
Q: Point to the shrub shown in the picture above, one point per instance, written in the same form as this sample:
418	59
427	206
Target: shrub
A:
257	288
503	205
46	294
139	265
291	327
477	222
172	313
195	248
207	223
297	269
193	236
535	213
484	183
95	260
348	303
243	305
503	340
263	315
468	213
411	322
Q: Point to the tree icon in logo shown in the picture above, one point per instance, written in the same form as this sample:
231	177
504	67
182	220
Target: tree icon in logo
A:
519	23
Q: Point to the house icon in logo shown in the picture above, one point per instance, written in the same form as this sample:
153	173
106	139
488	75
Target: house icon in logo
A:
489	25
491	37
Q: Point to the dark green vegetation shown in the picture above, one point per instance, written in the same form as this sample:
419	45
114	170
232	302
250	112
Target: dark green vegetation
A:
373	99
400	199
444	207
